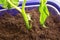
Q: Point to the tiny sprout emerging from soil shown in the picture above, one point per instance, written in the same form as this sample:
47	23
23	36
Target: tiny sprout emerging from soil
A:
13	4
44	13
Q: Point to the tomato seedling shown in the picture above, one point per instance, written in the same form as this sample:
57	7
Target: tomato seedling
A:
44	13
8	4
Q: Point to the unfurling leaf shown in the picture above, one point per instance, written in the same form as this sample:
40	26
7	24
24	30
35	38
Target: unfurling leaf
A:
44	13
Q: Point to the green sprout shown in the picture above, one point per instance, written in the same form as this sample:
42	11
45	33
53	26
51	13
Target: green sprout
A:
44	13
13	4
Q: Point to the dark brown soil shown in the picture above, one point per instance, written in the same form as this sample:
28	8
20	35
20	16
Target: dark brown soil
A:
13	27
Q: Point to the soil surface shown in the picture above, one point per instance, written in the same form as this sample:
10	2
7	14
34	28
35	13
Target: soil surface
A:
13	27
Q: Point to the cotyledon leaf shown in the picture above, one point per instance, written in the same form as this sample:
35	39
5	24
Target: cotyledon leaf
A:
5	4
15	2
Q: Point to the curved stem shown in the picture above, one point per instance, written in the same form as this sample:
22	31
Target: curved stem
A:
28	26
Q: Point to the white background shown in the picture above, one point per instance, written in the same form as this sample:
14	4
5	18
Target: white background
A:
55	1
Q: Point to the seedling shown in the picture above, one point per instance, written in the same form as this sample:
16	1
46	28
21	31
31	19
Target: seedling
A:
44	13
8	4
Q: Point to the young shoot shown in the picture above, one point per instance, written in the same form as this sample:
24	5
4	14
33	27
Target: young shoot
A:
44	13
13	4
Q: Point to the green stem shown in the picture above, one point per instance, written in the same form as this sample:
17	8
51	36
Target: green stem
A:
28	26
44	13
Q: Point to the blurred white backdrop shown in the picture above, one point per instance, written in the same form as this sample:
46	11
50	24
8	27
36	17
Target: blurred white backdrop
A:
55	1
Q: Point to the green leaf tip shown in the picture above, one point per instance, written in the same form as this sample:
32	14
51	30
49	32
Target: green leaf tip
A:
44	13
